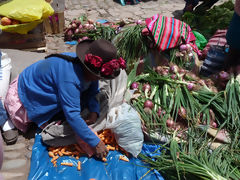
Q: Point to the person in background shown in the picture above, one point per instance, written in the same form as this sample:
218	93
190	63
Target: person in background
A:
232	61
65	82
191	4
8	131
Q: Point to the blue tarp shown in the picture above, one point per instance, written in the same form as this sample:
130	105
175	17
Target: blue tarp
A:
113	169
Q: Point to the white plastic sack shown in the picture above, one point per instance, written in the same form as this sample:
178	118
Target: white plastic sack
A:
125	123
5	72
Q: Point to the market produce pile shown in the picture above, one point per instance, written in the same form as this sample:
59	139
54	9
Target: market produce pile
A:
194	118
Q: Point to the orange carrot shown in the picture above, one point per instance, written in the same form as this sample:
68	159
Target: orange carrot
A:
110	148
66	164
60	153
123	158
51	154
79	166
104	159
54	158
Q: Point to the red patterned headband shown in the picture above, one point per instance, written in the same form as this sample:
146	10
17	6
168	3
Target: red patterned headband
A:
107	68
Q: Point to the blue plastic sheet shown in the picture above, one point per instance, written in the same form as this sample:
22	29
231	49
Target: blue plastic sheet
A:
113	169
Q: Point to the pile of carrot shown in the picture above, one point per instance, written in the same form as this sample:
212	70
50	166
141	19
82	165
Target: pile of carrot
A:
74	150
108	138
71	150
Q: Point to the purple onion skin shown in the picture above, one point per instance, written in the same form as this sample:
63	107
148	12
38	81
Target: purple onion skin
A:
148	104
173	76
139	22
190	86
223	75
146	87
134	85
183	47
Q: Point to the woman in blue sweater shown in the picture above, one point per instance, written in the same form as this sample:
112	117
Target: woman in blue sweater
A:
57	84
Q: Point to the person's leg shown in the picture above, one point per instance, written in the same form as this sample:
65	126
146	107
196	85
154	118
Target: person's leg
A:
8	132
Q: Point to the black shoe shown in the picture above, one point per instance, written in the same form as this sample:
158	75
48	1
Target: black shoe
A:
10	136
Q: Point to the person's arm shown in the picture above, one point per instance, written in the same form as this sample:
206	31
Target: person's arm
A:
69	95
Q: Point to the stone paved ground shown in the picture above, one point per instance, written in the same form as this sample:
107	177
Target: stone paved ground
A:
17	157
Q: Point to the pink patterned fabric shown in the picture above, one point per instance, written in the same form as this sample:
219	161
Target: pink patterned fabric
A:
15	109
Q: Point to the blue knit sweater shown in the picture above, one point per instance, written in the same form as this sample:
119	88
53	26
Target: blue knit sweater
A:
54	84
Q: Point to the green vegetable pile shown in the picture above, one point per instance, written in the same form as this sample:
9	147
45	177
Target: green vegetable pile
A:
216	18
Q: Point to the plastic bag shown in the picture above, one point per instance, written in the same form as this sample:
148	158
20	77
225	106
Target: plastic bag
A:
125	123
29	12
200	40
115	169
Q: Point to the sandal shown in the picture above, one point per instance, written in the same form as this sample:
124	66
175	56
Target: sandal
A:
10	136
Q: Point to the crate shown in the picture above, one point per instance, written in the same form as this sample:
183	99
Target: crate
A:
55	23
34	39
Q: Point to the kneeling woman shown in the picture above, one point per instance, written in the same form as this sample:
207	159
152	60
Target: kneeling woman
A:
57	83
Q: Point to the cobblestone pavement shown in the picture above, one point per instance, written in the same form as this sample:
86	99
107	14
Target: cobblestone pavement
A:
17	157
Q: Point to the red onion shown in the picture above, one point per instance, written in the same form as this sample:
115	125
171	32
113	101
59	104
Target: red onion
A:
139	22
76	31
91	26
80	26
147	110
182	112
158	69
190	86
161	112
86	25
146	87
74	26
183	47
148	104
189	48
170	123
164	73
223	75
173	76
173	69
69	32
214	124
134	85
85	38
69	26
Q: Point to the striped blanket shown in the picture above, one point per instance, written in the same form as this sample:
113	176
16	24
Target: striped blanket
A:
169	32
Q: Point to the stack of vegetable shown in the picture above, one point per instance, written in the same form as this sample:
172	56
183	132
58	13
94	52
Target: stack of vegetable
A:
83	28
199	117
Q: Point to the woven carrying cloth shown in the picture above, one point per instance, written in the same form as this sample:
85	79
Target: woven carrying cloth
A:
169	32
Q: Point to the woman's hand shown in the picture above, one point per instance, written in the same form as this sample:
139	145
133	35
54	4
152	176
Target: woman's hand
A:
101	150
92	118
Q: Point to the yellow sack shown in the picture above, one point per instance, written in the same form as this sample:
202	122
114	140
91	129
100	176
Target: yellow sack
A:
29	12
26	10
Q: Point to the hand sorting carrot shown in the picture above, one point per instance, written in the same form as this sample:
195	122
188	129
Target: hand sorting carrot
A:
75	150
